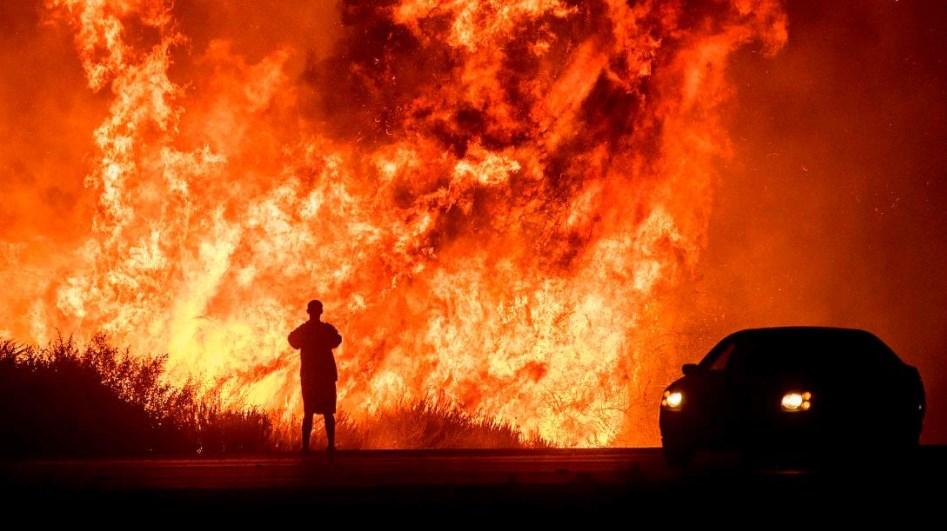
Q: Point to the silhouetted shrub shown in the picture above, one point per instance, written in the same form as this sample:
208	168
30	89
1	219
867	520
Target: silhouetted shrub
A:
63	400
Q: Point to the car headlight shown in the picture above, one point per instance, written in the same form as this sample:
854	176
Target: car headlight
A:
672	399
796	401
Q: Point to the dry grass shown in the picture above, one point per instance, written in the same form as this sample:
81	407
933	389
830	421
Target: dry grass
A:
63	399
423	424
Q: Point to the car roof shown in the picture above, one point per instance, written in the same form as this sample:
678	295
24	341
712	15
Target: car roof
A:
816	337
815	332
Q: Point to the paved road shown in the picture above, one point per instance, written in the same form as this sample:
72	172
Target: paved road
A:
599	482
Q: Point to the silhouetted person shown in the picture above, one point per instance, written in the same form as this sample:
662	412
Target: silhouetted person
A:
317	373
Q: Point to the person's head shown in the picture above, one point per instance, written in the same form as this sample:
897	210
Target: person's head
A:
314	309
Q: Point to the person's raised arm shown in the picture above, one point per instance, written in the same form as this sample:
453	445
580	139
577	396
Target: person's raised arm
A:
296	337
335	337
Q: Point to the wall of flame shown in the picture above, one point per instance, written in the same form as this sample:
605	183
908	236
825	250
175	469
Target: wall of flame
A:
503	205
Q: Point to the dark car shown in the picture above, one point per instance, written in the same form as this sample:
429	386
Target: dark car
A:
799	391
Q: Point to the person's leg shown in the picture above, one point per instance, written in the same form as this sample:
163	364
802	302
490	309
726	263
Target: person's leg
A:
330	429
307	430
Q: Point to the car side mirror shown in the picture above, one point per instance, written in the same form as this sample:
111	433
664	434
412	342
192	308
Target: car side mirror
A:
690	368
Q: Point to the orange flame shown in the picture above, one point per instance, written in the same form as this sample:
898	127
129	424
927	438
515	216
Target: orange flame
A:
490	197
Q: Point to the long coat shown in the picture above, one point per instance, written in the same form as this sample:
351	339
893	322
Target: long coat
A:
317	372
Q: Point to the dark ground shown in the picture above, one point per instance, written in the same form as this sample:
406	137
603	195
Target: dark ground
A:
442	486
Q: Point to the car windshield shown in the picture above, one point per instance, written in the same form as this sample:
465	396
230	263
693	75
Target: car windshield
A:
719	356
